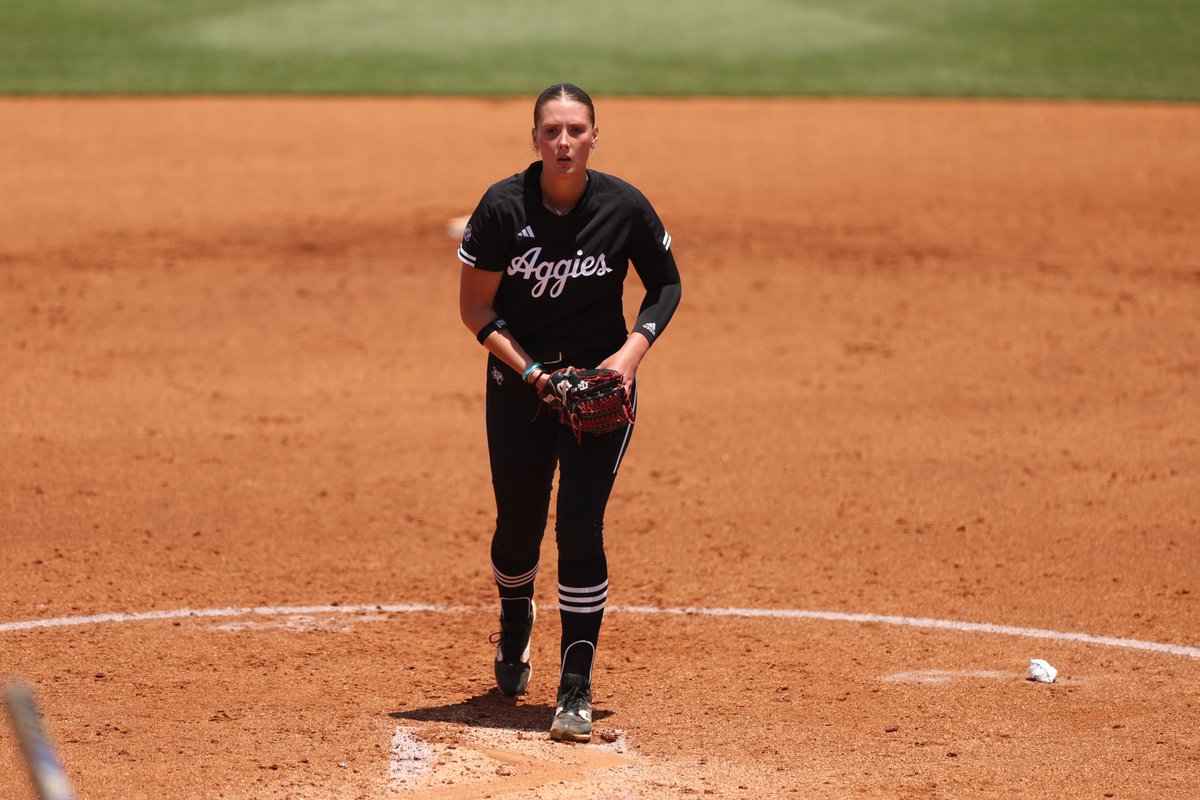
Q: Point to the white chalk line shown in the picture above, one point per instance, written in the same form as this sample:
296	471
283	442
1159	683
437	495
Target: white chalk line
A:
753	613
943	676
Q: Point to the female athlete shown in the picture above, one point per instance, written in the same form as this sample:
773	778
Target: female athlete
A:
545	256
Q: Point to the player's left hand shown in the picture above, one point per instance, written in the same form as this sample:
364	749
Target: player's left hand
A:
624	363
627	359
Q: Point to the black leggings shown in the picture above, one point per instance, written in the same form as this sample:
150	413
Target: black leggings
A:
525	444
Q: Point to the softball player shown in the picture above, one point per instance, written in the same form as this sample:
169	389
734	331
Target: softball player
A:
545	256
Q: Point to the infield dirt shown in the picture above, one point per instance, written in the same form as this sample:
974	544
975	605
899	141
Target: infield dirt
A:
934	359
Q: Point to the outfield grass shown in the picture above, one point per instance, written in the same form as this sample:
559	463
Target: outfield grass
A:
1119	49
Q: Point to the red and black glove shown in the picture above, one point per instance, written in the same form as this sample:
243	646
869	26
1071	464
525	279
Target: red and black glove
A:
589	400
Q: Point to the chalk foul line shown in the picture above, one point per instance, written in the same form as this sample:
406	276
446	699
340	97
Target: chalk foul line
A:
749	613
924	622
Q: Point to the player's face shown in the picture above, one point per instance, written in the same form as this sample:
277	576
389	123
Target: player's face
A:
564	137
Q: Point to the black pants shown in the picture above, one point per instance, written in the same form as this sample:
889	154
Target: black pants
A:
526	443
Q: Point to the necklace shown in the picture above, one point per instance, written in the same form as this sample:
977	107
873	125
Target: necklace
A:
553	209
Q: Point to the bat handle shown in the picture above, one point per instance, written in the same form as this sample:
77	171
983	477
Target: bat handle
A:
49	778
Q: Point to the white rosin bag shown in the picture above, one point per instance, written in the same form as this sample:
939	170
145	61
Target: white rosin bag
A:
1041	671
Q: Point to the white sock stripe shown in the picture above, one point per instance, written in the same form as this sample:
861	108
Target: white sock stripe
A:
562	588
528	576
579	602
576	599
582	599
581	609
513	584
523	576
512	581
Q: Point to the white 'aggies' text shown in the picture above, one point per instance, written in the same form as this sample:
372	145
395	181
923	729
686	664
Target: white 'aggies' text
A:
545	272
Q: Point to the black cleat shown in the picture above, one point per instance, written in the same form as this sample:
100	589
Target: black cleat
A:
512	653
573	717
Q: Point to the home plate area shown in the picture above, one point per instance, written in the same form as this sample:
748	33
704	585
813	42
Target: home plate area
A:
446	760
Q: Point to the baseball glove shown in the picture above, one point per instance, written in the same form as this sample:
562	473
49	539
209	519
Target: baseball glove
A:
589	400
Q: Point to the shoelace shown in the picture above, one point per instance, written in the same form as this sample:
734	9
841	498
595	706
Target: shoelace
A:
507	641
571	701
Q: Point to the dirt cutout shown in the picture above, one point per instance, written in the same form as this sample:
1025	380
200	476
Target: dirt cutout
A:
934	361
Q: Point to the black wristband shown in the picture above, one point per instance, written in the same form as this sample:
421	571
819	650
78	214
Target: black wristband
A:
487	330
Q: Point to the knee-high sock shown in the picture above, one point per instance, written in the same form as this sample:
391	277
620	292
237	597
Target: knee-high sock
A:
514	582
582	594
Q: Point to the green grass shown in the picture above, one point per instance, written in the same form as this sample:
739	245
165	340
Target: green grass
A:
1118	49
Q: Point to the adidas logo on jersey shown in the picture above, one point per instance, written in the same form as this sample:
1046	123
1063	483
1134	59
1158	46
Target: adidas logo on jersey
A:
650	326
526	232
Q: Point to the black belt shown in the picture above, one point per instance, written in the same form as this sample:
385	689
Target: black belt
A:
562	358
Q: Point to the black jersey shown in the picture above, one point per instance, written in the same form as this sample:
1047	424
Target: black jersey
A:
564	275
